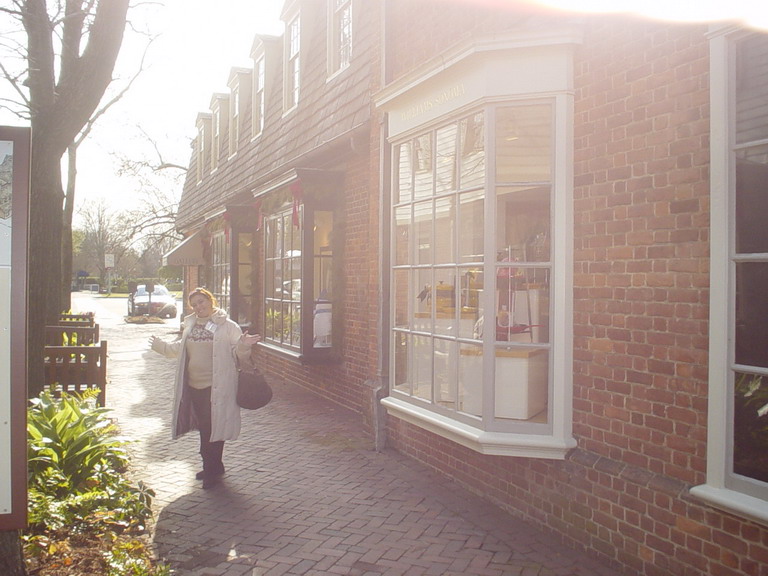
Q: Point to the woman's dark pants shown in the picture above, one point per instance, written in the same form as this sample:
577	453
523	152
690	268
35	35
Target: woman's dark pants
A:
210	451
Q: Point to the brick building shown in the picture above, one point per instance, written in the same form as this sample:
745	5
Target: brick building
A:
531	239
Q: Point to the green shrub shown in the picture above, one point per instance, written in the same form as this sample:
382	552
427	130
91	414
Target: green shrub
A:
78	492
76	465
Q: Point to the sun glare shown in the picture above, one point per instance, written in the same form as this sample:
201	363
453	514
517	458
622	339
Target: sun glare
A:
749	12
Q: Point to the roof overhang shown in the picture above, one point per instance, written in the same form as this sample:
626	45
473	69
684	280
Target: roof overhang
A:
188	253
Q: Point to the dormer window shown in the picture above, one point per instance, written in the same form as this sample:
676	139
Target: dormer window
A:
339	35
203	144
219	120
239	94
259	73
234	124
292	62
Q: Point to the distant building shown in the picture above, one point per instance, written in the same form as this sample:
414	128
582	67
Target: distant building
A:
533	240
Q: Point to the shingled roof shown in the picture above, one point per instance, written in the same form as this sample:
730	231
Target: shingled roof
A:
330	111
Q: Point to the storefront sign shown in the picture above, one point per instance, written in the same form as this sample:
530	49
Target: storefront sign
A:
14	212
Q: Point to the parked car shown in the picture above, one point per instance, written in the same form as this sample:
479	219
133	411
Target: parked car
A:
160	303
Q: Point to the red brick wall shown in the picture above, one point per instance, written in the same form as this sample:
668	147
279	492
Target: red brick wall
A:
641	206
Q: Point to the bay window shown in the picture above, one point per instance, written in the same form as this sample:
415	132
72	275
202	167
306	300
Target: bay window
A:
474	202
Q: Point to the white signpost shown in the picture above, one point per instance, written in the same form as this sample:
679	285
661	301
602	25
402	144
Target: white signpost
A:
14	214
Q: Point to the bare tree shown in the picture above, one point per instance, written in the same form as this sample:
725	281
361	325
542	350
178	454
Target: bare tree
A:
71	50
159	181
104	232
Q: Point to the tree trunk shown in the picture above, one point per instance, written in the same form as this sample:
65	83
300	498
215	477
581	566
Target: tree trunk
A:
11	555
58	113
44	271
66	230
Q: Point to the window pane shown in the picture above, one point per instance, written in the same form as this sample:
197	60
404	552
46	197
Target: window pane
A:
423	315
422	158
422	367
750	426
271	233
323	279
472	151
445	230
523	217
446	379
751	312
295	311
470	289
470	382
400	351
401	299
471	227
752	200
402	235
523	144
522	309
445	301
271	330
521	382
752	89
423	231
446	159
404	173
270	281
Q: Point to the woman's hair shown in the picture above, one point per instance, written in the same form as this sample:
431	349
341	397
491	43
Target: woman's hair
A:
203	292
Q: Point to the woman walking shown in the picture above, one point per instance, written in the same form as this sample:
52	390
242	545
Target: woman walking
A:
209	352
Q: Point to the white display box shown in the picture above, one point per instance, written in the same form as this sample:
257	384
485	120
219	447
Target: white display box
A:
521	383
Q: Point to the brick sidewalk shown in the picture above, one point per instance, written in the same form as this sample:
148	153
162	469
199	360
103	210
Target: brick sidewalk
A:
304	494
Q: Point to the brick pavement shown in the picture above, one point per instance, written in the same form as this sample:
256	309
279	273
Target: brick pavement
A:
304	494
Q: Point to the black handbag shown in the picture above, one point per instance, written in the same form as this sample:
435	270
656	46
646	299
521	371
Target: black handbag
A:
253	391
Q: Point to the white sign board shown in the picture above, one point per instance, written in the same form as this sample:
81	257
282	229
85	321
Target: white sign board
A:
14	211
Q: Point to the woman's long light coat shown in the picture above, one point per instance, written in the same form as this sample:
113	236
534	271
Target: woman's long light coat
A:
225	413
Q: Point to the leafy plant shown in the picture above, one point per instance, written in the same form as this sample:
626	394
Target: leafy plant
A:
751	426
129	558
71	439
78	491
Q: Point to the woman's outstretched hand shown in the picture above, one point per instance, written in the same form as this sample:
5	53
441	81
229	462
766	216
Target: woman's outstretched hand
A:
250	339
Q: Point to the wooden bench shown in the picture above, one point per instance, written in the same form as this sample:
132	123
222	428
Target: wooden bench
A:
71	335
75	369
87	319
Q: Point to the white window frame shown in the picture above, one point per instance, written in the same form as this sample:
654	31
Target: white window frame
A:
554	440
286	215
339	46
201	150
723	489
235	116
203	144
258	105
292	63
215	137
220	267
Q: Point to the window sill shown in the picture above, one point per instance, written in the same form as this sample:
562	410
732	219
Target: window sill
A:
492	443
733	502
326	356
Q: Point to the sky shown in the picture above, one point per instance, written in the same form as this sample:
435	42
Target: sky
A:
197	44
200	41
